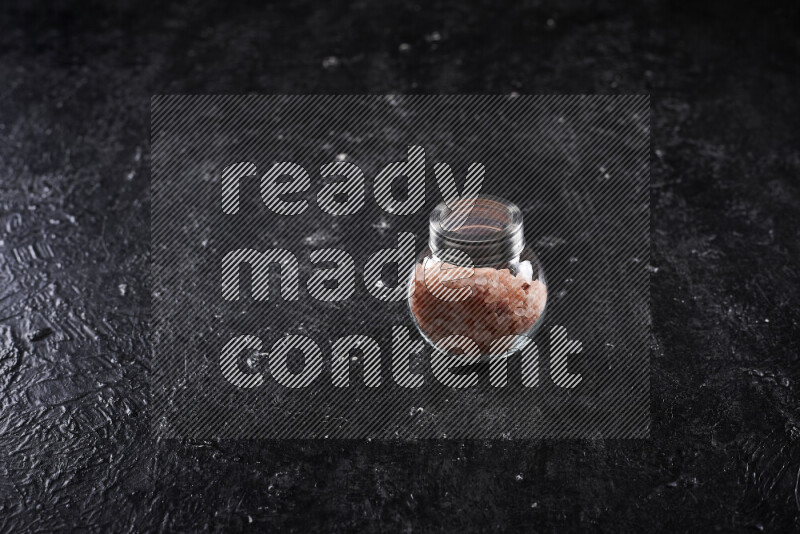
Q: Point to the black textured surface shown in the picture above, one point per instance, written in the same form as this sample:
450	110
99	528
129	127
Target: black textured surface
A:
75	449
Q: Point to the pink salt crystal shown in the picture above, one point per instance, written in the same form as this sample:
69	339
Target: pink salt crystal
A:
501	304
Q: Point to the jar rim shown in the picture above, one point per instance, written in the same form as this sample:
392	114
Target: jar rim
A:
488	228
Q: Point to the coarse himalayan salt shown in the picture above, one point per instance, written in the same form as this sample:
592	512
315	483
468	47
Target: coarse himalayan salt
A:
501	304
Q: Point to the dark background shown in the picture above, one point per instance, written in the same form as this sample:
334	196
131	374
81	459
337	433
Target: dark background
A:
75	449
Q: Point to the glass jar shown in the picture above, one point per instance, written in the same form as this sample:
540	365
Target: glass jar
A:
477	289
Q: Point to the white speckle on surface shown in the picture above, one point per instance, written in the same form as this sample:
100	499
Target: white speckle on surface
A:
341	157
330	62
433	37
519	477
652	269
551	23
318	237
123	289
404	47
381	226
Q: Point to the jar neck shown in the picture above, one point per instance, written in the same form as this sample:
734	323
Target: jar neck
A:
482	231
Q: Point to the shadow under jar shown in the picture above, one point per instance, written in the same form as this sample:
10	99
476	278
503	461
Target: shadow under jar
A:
477	280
